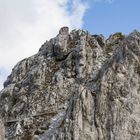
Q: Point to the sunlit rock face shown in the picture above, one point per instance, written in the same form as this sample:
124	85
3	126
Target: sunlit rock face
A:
77	87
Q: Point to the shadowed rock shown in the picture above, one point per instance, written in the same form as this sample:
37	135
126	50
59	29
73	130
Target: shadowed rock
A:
77	87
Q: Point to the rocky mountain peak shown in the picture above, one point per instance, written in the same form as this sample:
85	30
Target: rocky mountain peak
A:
64	30
77	87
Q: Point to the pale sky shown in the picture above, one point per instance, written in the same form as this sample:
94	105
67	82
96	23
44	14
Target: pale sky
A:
26	24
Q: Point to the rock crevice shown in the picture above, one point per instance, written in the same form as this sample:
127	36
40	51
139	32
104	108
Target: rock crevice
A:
77	87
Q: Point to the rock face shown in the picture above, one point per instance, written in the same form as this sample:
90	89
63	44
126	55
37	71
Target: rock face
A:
77	87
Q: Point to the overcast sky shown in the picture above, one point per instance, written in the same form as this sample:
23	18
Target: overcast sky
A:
26	24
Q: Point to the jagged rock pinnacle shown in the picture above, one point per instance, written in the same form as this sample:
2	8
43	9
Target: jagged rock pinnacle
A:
77	87
64	30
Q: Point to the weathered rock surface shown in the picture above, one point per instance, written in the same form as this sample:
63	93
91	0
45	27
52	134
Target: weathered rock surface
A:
77	87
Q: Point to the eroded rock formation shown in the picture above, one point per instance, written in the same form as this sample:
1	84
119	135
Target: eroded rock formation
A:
77	87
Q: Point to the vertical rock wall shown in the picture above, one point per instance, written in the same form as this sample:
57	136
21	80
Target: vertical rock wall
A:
77	87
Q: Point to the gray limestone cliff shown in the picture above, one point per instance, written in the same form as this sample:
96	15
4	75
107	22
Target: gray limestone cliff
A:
77	87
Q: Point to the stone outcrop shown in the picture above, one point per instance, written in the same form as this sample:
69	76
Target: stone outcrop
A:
77	87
